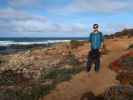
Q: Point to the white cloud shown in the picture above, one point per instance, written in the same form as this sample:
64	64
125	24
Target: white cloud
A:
99	5
13	19
46	27
19	21
102	6
24	3
76	6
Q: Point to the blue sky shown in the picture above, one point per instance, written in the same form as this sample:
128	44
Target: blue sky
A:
58	18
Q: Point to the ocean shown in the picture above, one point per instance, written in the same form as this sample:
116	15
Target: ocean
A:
8	45
31	41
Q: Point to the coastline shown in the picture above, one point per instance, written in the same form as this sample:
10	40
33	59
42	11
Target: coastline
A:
15	47
42	70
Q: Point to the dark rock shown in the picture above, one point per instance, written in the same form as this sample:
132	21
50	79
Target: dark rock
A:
119	92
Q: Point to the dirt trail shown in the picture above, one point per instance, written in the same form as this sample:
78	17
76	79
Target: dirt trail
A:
95	82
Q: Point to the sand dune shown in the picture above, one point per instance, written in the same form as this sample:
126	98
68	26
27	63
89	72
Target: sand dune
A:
95	82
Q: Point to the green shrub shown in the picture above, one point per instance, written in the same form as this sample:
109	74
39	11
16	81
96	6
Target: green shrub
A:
119	92
130	46
59	75
7	77
128	62
25	90
33	92
75	43
72	60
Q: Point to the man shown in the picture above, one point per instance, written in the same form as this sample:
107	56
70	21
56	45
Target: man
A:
96	40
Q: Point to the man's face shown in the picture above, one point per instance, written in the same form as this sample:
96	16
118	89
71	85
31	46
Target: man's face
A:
95	29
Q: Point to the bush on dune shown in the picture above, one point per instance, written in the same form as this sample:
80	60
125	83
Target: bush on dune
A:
130	46
71	60
14	86
124	68
75	43
123	63
59	75
125	78
10	77
31	92
119	92
128	61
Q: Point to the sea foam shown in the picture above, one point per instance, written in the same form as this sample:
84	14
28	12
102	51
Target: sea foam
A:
8	43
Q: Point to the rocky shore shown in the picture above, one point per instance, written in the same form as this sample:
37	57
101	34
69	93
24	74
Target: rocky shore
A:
14	48
33	73
38	70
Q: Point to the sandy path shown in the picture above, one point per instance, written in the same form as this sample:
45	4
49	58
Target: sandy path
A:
95	82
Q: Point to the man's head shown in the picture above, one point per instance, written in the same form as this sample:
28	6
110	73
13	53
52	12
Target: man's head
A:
95	27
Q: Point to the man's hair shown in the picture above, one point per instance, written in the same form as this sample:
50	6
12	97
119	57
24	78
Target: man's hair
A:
95	26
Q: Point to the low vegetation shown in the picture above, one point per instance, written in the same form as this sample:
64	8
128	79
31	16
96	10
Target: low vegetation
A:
16	74
71	60
60	74
119	92
124	68
125	78
75	43
14	86
130	46
28	92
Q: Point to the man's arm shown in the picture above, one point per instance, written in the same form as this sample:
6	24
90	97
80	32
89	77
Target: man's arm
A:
102	40
103	47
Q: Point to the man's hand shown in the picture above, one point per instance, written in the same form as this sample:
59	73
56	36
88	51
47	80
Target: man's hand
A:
103	48
103	45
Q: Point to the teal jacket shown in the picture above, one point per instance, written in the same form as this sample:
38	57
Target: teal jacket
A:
96	40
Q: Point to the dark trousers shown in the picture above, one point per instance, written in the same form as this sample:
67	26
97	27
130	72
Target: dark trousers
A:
93	58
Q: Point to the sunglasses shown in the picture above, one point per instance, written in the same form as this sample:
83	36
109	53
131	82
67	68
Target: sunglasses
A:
95	27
